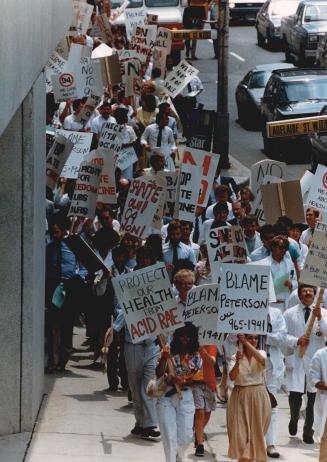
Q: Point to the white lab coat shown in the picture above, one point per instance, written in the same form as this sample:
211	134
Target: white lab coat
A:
297	369
275	341
318	373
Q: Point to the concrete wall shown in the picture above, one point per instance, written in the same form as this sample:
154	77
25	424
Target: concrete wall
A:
29	31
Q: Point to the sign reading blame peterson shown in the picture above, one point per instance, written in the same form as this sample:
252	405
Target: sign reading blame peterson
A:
148	302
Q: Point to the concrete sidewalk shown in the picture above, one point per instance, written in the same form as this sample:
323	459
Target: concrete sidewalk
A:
80	421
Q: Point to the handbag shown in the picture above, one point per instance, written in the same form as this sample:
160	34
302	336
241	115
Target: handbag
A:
58	296
157	387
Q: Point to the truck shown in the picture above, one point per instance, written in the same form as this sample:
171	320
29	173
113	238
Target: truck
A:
301	31
170	15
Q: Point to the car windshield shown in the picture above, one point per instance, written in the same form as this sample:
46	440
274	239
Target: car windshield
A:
282	8
132	3
306	90
259	79
156	3
315	13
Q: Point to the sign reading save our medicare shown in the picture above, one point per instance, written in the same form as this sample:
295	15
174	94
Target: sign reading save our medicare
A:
296	127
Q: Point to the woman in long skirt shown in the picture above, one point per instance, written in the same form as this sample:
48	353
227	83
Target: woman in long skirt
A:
249	407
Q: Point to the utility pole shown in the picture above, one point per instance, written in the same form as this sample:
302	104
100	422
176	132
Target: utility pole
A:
222	123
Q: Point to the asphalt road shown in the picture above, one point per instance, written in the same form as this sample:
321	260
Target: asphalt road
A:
245	145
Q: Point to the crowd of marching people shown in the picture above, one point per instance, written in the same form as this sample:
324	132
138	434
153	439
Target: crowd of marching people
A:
252	369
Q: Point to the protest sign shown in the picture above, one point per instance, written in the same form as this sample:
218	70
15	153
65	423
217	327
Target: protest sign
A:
142	202
126	54
317	197
55	65
225	245
134	17
264	172
158	181
315	266
126	157
202	310
56	158
201	128
305	183
85	192
143	41
171	180
110	137
84	14
147	301
164	39
63	48
82	143
90	78
85	114
107	185
132	77
110	70
118	11
282	199
64	86
104	26
179	78
101	51
151	18
196	178
243	298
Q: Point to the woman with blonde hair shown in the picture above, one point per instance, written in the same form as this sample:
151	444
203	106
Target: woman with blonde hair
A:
249	406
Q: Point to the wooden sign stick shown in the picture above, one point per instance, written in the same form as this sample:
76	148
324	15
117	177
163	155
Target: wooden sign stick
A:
302	349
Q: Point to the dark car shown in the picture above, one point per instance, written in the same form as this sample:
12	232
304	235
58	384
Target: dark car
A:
319	146
269	18
290	94
250	91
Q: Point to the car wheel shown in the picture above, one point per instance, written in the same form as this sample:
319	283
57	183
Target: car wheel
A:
260	39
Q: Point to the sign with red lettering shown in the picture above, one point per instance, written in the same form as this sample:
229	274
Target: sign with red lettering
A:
147	301
197	173
317	197
86	191
143	200
225	245
107	185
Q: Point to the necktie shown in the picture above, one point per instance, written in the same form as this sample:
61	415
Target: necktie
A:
159	139
196	232
175	254
307	312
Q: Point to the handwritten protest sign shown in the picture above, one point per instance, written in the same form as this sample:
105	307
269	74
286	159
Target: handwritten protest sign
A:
143	200
86	191
305	183
110	137
159	56
197	173
243	298
264	172
148	302
126	54
225	245
126	157
107	186
55	65
152	18
202	310
85	114
317	197
82	143
104	26
132	77
164	38
56	159
84	14
179	78
90	78
158	180
134	17
315	266
143	41
171	180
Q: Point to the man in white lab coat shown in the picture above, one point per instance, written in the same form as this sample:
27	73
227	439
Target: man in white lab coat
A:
297	369
318	374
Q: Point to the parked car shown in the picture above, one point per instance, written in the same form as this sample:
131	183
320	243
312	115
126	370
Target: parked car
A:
250	91
301	31
290	94
321	53
243	9
269	19
319	146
